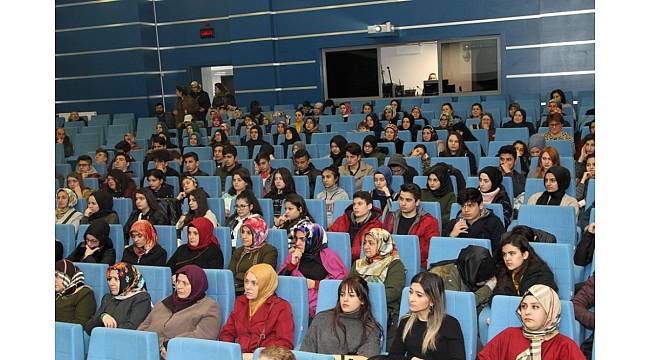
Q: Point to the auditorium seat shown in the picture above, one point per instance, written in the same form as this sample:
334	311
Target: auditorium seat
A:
116	234
340	243
212	185
95	277
181	348
203	152
559	258
158	280
221	288
448	248
339	208
167	238
302	185
123	344
408	247
558	220
123	208
294	290
69	341
496	208
66	235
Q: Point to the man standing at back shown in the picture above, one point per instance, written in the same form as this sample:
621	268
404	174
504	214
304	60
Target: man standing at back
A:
410	219
202	98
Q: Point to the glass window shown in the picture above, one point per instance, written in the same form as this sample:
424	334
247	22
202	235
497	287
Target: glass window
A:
470	65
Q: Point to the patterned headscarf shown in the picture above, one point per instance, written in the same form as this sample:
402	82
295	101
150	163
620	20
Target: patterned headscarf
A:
267	280
131	281
550	301
315	239
72	202
375	268
390	110
72	277
260	231
149	232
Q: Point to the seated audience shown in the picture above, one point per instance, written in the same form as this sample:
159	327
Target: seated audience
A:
158	184
383	192
358	218
331	191
246	206
456	148
304	167
145	249
295	214
556	181
254	250
75	182
282	186
127	304
241	180
440	189
74	301
354	165
518	120
490	184
146	208
65	212
198	204
202	248
118	184
97	246
337	144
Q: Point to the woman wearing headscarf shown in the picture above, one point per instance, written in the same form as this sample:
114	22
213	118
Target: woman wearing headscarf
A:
456	148
372	122
309	257
145	249
382	264
65	212
97	246
202	247
556	181
118	184
187	312
100	206
291	135
539	337
518	120
260	318
219	138
337	144
74	301
127	304
389	115
369	148
383	178
310	128
439	189
391	134
490	184
255	138
254	250
346	110
408	124
474	271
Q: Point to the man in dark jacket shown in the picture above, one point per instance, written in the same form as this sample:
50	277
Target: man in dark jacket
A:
475	221
303	166
507	159
398	166
191	165
202	98
358	218
230	164
410	219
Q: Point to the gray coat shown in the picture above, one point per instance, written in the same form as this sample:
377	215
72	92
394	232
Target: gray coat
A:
322	337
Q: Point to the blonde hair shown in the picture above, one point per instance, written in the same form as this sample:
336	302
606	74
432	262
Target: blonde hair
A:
277	353
434	289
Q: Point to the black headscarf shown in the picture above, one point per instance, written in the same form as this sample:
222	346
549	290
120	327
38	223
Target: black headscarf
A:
445	181
295	137
466	133
373	142
101	231
224	138
105	204
495	176
251	143
340	141
376	127
523	118
563	178
475	265
121	182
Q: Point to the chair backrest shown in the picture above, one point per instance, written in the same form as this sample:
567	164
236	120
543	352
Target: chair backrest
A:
431	147
221	288
323	138
565	161
339	208
320	163
408	247
504	316
564	147
318	187
158	280
285	163
558	257
181	348
591	193
203	152
494	161
497	209
340	243
123	208
278	239
328	295
212	185
558	220
116	234
448	248
302	185
69	341
217	206
294	290
95	277
66	235
460	163
493	148
433	208
368	182
167	238
123	344
512	134
462	306
267	209
347	182
317	209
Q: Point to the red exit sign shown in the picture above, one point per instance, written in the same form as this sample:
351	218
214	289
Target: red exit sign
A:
206	33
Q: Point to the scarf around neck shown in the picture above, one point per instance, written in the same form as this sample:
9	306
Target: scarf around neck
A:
376	267
550	301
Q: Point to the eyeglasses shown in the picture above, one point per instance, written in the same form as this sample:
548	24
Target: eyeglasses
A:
241	206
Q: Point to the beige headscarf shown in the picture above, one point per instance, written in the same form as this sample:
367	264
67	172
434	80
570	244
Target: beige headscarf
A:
376	268
72	202
550	301
267	280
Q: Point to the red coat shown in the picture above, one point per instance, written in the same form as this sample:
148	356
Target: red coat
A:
276	322
342	224
424	227
511	342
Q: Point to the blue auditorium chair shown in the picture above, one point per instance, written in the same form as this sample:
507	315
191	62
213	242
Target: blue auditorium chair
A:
559	258
318	187
158	280
212	185
99	120
565	161
590	197
203	152
216	204
482	136
512	134
493	148
347	182
66	235
339	208
221	288
59	155
267	209
324	137
340	243
431	147
95	277
208	166
503	315
302	185
564	147
433	208
448	248
285	163
123	208
116	234
323	150
537	185
320	163
317	209
474	147
368	182
278	239
494	161
408	247
69	341
558	220
462	306
294	290
63	169
146	126
328	295
460	163
167	238
123	344
181	348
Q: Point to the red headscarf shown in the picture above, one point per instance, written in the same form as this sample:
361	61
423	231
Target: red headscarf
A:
206	234
144	227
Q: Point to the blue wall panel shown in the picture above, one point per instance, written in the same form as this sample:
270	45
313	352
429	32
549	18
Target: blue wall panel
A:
94	64
180	59
102	39
99	14
168	11
253	53
124	86
138	107
255	78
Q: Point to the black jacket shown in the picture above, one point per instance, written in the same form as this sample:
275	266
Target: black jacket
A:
155	257
311	174
208	258
503	199
128	313
585	250
535	274
487	226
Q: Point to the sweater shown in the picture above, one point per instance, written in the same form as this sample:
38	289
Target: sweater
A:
157	256
511	342
208	258
323	338
75	308
128	313
584	300
271	324
450	343
111	218
567	200
240	262
200	321
424	227
330	196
